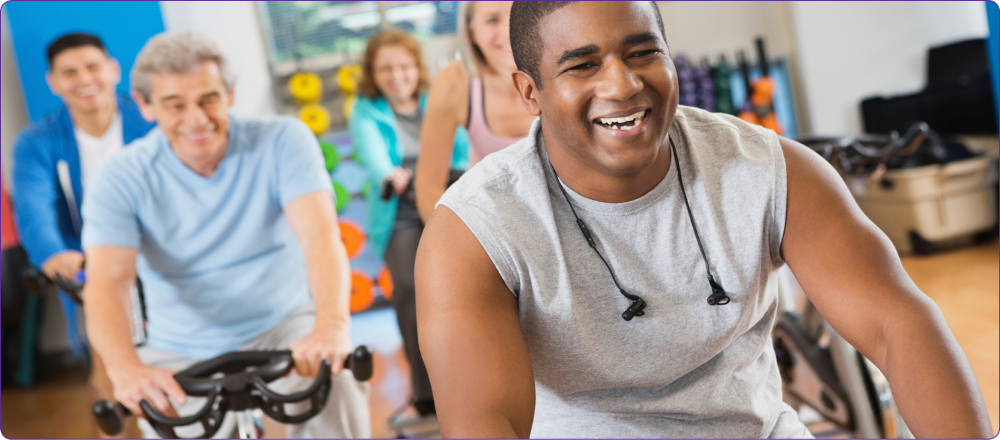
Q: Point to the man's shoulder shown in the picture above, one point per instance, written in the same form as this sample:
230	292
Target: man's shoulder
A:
43	130
265	130
723	140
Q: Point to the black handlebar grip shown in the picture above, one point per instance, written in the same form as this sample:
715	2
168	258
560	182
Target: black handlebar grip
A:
72	288
110	416
360	363
386	190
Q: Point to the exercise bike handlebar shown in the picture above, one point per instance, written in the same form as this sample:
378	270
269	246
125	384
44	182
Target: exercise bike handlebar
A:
73	288
243	385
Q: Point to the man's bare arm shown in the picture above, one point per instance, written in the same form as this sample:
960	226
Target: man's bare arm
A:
110	274
850	271
470	336
313	220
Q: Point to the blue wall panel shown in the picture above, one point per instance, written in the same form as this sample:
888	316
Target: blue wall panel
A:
993	16
124	27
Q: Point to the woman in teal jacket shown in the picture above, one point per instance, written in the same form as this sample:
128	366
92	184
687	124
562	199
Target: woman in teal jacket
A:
385	130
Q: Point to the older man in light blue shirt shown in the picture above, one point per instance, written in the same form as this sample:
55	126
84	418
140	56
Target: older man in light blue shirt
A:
229	222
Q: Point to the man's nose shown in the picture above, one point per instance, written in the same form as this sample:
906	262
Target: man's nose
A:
618	82
85	77
195	116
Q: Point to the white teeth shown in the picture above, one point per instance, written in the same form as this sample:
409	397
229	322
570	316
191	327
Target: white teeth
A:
86	91
637	117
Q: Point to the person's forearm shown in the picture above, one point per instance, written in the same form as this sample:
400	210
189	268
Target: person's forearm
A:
108	323
327	265
931	378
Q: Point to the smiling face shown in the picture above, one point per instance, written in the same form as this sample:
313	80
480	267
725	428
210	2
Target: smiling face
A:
192	112
396	73
85	78
609	86
490	29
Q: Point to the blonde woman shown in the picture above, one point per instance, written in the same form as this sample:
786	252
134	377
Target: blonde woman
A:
477	93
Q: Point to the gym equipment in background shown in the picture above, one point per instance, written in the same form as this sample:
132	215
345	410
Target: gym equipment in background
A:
348	178
237	382
315	117
362	291
924	192
704	86
748	112
306	87
347	78
763	93
721	74
687	87
958	97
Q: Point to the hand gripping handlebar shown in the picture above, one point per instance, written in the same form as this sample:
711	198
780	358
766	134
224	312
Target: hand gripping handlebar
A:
237	381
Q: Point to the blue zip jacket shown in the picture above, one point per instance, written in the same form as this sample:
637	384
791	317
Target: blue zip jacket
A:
375	136
43	217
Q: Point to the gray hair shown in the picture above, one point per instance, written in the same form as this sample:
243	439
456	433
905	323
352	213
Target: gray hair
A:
172	53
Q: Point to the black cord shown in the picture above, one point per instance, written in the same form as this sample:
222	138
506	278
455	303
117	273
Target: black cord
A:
638	304
718	296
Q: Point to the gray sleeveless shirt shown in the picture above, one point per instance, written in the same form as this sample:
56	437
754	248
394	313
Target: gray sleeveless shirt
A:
685	368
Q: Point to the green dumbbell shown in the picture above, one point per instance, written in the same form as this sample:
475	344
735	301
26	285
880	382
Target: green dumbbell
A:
367	186
330	155
343	197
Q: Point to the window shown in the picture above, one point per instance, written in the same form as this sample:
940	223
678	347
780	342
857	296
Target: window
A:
322	35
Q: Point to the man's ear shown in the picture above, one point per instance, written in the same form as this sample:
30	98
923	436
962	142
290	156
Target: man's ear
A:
525	86
144	107
117	68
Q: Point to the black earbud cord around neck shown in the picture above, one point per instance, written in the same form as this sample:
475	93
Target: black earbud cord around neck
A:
718	296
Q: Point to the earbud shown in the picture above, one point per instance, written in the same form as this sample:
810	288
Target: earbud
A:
635	309
718	296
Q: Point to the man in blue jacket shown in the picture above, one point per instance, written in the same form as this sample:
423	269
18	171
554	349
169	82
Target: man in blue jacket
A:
94	123
54	157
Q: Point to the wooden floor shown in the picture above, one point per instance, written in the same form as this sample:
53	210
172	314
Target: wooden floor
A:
963	283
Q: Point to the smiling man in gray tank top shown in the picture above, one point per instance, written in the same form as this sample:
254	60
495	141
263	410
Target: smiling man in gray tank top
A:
611	274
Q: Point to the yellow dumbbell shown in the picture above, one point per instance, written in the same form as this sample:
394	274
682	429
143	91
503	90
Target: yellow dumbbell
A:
306	87
347	78
316	117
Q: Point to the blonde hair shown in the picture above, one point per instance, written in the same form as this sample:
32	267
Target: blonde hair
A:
397	37
472	57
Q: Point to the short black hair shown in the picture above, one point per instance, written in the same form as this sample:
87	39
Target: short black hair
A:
73	41
525	41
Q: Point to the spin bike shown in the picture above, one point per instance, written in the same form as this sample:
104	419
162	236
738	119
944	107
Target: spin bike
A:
823	371
237	382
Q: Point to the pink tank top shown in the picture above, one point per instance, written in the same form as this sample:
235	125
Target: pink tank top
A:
483	140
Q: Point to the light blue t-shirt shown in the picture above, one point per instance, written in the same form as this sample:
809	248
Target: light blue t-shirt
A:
218	261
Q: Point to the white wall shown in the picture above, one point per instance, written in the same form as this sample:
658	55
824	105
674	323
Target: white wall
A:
236	27
709	29
852	50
